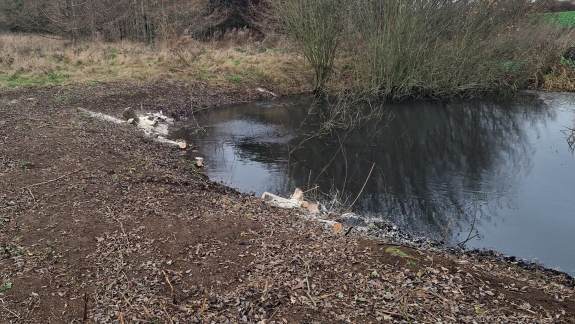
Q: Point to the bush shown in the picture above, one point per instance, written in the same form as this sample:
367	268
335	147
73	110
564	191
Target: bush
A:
423	48
317	26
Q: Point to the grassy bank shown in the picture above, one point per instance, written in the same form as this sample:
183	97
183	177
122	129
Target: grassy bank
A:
236	61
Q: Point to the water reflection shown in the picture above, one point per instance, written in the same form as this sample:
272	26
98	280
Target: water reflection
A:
432	160
433	163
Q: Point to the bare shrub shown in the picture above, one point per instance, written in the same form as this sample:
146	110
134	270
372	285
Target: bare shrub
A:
422	48
117	20
186	49
441	48
318	27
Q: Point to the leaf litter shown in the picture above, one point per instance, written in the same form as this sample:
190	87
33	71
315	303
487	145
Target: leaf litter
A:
128	233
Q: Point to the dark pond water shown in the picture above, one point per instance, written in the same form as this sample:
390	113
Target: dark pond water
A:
509	163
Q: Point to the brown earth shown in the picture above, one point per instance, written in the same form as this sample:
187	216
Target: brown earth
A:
100	224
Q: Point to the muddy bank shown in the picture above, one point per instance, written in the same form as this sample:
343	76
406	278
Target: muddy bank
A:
103	225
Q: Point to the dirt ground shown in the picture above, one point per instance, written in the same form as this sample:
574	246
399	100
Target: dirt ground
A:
99	224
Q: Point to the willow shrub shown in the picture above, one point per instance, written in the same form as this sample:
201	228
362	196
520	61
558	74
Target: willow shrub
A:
317	26
444	48
422	48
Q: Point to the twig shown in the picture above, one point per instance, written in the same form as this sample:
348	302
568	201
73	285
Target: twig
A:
349	230
31	194
390	313
85	317
436	295
33	306
43	125
344	161
204	303
310	189
168	315
45	182
274	313
121	316
150	317
327	295
359	194
126	299
172	287
121	225
446	231
524	309
11	312
462	244
469	237
308	292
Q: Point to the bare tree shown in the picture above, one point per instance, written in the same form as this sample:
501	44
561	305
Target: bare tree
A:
137	20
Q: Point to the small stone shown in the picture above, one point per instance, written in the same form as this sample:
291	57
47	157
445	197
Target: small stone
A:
131	121
130	113
182	145
199	162
304	204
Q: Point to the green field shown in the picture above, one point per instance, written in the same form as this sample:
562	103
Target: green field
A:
561	19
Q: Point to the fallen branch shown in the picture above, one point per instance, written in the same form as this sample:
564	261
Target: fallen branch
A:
309	289
308	292
46	182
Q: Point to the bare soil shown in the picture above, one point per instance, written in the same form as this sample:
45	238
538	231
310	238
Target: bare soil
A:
99	224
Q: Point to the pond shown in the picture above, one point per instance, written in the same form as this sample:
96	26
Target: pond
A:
503	170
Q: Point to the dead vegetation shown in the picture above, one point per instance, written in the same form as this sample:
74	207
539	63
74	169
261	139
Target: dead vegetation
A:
236	60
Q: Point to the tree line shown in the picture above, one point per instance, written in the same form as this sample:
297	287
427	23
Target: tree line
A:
135	20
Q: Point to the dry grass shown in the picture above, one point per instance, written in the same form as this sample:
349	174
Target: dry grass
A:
560	78
236	60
